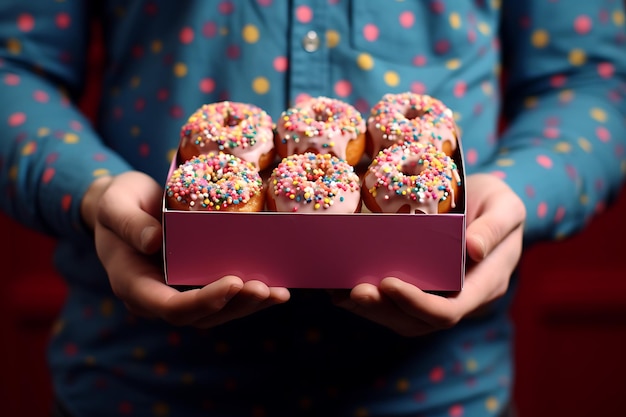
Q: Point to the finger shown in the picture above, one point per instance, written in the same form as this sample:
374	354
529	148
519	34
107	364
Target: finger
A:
496	221
130	207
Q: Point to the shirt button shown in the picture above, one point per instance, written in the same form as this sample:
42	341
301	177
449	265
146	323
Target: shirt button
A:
311	42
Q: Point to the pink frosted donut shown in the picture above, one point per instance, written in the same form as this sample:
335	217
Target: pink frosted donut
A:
321	125
411	178
215	182
243	130
313	183
409	117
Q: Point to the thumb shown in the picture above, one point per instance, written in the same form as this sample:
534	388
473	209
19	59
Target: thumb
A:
131	207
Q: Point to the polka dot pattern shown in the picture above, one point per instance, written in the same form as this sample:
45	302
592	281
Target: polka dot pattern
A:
561	147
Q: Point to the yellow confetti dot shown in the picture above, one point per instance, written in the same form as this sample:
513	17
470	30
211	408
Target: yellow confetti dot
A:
161	410
361	412
250	34
566	95
471	365
58	326
180	69
223	31
29	148
100	172
156	47
392	78
402	385
456	116
484	28
505	162
139	353
496	4
106	308
487	88
540	38
623	167
135	82
71	138
14	46
584	199
43	131
261	85
455	20
169	156
492	404
187	378
453	64
135	131
577	57
618	17
90	360
563	147
332	38
598	115
584	144
530	102
365	62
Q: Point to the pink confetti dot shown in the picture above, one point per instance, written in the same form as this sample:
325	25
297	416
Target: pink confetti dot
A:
362	106
370	32
571	171
144	149
582	24
606	69
17	119
499	174
70	349
442	46
12	79
551	132
125	408
343	88
209	29
407	19
265	3
41	96
52	158
137	51
150	9
418	87
471	156
419	396
226	7
76	125
603	134
177	112
304	14
530	191
186	35
25	22
66	202
436	374
542	210
281	64
437	7
118	113
140	104
99	157
207	85
558	80
456	411
63	20
419	60
47	176
544	161
559	215
301	97
233	52
163	93
471	36
459	89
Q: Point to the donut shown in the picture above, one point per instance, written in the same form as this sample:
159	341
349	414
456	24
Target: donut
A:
410	117
215	182
411	178
321	125
243	130
313	183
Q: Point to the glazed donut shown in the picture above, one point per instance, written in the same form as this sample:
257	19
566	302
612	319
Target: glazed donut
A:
243	130
321	125
313	183
215	182
411	178
408	117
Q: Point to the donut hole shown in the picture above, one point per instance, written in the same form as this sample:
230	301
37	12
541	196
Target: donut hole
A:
414	113
412	167
406	209
231	120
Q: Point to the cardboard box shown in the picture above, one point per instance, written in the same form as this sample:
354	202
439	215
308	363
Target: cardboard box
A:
316	250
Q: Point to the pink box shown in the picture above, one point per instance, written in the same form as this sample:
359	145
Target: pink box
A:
316	250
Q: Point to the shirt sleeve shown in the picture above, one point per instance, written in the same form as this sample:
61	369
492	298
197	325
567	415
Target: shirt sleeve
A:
49	151
563	145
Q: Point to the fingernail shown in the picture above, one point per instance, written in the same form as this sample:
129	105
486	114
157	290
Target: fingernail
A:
147	238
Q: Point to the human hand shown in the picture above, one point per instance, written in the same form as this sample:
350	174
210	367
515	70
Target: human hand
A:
124	212
495	219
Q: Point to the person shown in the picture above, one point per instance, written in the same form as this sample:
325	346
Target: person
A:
537	88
